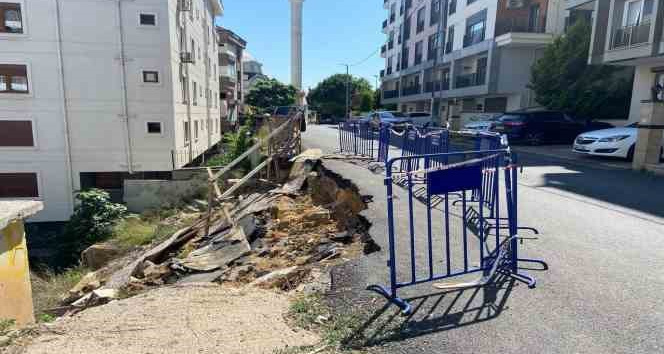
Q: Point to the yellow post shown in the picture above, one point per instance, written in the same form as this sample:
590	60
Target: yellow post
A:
15	289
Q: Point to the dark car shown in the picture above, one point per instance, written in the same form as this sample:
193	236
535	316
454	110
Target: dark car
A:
539	127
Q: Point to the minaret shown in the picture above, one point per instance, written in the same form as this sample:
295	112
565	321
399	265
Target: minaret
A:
296	43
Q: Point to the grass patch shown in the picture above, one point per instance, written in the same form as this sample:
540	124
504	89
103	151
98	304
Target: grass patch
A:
310	313
48	288
6	326
137	231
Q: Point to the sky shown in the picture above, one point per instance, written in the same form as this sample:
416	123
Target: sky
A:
334	32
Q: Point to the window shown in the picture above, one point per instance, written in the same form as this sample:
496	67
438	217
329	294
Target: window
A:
637	11
187	133
148	19
435	12
195	94
184	88
475	28
16	133
19	185
404	58
11	20
151	77
393	12
418	52
154	127
452	7
13	78
406	29
450	40
495	105
432	47
421	13
195	130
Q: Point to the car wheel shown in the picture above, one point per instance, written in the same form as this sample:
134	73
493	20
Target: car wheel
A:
534	139
630	153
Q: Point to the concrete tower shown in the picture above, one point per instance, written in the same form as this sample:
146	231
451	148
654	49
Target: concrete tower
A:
296	43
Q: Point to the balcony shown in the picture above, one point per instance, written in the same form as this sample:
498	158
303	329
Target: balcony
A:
518	25
629	36
387	94
468	80
436	86
412	90
473	38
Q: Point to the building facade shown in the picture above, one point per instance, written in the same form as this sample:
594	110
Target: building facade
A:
631	33
253	72
460	58
231	72
93	92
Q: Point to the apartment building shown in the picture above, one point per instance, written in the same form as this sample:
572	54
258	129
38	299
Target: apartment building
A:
231	72
631	33
93	92
253	72
458	58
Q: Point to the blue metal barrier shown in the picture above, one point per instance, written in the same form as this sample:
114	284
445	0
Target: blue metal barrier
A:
357	138
458	241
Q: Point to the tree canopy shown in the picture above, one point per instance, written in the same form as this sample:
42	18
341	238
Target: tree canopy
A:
271	93
329	96
563	80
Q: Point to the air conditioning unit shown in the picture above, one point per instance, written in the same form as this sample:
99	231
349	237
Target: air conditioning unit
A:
187	57
516	4
184	5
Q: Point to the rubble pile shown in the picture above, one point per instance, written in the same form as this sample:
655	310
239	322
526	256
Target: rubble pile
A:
282	239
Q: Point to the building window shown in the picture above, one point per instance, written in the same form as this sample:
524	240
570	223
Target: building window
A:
13	78
406	29
449	47
418	52
421	13
154	127
475	28
195	130
187	133
147	19
151	77
19	185
452	6
435	12
11	20
16	133
195	94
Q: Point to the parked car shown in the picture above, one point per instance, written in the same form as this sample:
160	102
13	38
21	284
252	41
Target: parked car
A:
420	119
537	127
397	119
482	123
329	119
614	142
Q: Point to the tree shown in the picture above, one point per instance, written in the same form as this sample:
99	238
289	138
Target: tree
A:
563	80
271	93
329	96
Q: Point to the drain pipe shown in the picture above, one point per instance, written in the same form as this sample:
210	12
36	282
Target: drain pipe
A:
124	97
64	107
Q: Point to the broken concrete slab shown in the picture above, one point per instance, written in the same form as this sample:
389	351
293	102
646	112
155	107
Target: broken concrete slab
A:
216	255
208	277
98	255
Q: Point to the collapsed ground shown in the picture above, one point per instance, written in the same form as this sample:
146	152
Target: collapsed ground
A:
272	242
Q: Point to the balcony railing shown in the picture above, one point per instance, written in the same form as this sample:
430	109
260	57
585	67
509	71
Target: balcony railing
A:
468	80
412	90
473	38
630	36
436	86
387	94
520	25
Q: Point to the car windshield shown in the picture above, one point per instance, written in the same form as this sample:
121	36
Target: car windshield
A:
392	115
513	118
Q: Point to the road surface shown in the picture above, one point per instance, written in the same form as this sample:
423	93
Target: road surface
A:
602	234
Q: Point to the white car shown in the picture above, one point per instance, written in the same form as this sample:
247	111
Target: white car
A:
482	123
615	142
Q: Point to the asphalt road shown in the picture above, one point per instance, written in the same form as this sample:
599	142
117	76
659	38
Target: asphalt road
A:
602	235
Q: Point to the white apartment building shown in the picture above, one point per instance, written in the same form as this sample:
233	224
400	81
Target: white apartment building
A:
465	57
93	92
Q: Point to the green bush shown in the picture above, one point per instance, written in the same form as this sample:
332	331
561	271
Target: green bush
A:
93	220
236	144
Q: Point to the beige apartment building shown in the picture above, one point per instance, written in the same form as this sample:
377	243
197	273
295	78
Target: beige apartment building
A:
93	92
461	58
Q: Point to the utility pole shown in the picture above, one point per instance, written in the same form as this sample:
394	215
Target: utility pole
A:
347	90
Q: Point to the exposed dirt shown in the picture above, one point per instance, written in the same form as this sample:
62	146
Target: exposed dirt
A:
193	318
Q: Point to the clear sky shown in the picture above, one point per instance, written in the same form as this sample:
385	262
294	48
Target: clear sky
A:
335	31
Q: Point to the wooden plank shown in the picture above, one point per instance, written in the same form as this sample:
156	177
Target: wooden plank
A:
246	178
